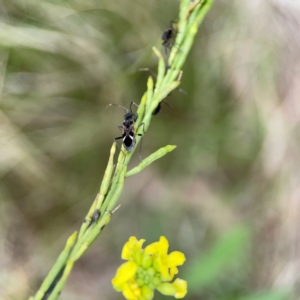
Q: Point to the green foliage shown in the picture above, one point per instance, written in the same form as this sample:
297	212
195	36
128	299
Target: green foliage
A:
62	62
229	248
269	295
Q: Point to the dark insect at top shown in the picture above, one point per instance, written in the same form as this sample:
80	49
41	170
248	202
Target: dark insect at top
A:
168	36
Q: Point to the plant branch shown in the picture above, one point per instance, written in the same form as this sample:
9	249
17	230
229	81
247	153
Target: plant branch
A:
99	215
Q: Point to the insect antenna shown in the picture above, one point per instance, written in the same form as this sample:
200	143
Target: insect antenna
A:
148	70
113	104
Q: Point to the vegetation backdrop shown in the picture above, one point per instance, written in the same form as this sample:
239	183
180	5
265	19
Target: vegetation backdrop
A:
228	196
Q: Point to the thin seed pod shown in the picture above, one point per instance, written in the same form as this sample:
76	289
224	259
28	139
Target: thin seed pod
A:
193	15
150	159
149	92
88	218
88	233
141	108
201	13
173	74
193	6
186	46
167	90
107	177
197	10
93	232
61	261
182	22
108	172
161	69
59	286
121	161
103	190
195	19
91	237
112	190
183	12
118	191
183	9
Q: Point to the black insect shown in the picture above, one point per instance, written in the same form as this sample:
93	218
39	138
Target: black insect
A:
128	130
158	108
95	217
169	36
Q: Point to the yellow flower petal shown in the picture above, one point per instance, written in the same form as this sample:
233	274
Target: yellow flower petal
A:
164	269
124	273
173	271
133	245
131	293
163	245
160	247
175	258
181	287
152	248
126	251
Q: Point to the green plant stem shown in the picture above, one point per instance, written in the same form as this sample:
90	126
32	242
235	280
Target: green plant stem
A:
99	215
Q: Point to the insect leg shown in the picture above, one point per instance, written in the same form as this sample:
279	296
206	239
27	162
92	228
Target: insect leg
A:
142	124
166	49
176	46
167	103
134	104
118	138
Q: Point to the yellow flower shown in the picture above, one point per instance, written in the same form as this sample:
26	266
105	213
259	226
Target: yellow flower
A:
131	248
167	263
125	272
149	269
181	288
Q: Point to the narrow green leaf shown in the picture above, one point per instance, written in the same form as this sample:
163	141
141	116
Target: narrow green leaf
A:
161	68
108	172
164	93
150	159
149	92
59	286
61	261
117	193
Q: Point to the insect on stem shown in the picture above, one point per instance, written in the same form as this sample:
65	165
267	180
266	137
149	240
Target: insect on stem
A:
127	128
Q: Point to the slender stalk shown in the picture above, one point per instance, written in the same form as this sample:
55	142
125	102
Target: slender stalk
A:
99	215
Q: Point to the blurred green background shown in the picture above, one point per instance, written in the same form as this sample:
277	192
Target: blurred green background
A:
228	196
